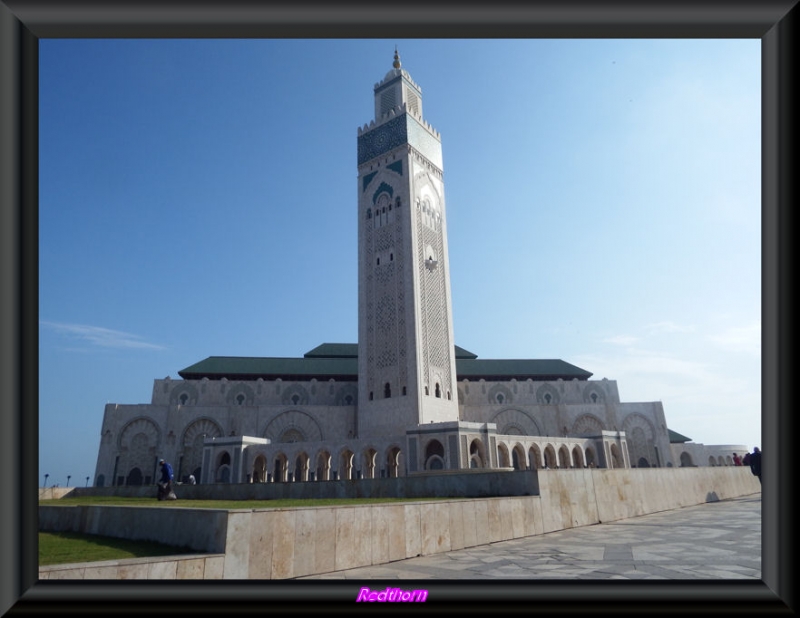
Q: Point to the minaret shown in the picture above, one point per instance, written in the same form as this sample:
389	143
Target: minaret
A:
406	357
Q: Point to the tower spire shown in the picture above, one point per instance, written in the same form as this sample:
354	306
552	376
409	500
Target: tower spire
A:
396	63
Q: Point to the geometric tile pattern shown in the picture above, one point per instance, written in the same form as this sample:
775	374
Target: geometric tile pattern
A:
716	540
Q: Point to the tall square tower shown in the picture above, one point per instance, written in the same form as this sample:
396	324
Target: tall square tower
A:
406	357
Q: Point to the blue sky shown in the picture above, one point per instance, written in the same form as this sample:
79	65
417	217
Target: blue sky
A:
198	198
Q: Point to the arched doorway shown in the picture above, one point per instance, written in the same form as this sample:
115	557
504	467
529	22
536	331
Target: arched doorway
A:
259	469
346	465
369	463
434	455
324	466
301	467
280	468
563	457
577	457
476	454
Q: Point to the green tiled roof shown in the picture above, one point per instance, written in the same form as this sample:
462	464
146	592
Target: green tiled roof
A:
522	369
675	437
462	353
350	350
339	361
252	368
334	350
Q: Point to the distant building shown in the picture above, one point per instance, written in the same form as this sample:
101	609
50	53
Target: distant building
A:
404	399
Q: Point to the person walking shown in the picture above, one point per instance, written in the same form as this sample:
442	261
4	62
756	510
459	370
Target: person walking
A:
165	491
755	463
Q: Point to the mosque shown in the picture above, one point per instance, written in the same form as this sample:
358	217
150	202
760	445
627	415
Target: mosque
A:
405	399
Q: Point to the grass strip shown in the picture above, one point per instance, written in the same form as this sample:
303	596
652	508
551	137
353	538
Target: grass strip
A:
72	547
225	504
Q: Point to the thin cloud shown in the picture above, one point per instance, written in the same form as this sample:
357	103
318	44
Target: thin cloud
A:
99	336
621	340
740	339
669	327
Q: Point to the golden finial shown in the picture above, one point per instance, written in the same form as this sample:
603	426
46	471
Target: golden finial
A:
396	63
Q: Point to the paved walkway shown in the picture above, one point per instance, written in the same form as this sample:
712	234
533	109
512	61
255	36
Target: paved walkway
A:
716	540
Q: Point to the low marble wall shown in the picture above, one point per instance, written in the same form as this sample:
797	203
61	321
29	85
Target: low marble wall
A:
203	530
54	493
286	543
291	542
170	567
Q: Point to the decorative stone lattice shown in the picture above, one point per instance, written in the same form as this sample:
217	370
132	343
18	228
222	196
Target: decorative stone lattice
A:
435	326
401	307
137	426
183	393
140	454
542	395
593	394
293	419
240	394
201	428
138	442
192	442
517	422
295	395
347	396
641	434
501	394
587	425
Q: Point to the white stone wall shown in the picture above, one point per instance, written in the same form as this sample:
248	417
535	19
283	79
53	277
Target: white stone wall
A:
319	425
691	454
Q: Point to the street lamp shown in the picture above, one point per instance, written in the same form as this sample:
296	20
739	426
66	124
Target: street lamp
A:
45	479
69	476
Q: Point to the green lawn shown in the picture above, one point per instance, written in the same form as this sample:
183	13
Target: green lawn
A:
223	504
69	547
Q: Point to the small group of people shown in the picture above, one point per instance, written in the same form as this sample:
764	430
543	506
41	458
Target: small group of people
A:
750	459
165	484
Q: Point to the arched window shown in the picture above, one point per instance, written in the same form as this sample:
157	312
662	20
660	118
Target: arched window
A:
387	390
438	391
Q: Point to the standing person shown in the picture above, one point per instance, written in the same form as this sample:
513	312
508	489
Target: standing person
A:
165	482
755	463
737	461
